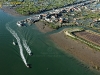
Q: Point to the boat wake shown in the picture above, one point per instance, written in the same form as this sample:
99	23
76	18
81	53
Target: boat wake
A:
27	47
19	44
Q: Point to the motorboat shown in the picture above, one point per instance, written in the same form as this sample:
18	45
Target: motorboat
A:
28	66
14	43
30	54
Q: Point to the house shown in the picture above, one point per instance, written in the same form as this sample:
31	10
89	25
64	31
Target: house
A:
60	20
48	20
29	20
77	9
43	16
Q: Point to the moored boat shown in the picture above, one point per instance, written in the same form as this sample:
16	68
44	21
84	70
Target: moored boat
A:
19	23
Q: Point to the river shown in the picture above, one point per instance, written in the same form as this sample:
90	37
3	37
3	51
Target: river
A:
47	59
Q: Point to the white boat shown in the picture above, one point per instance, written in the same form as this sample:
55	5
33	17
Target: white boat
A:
19	23
28	66
30	54
14	43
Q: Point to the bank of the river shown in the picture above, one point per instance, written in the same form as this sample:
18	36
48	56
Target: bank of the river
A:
81	51
10	11
78	49
43	27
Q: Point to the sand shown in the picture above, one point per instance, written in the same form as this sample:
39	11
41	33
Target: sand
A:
10	11
42	27
78	49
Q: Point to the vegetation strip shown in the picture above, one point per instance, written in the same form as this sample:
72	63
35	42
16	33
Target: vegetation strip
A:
89	43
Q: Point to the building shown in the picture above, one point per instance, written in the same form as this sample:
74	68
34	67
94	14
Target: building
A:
98	0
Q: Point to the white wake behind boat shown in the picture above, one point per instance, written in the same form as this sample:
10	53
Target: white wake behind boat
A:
27	48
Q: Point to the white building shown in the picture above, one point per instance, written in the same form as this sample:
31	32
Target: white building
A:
98	0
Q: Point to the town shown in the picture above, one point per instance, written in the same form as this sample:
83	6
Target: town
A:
72	15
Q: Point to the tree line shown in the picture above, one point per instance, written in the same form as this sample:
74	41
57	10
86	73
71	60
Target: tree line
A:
27	7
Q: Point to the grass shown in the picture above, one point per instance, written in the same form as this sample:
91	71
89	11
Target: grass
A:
27	8
89	43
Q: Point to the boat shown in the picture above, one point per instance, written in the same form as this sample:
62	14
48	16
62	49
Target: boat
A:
28	66
30	54
19	23
14	43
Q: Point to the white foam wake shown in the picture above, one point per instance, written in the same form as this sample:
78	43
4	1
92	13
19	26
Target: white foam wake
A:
26	47
19	43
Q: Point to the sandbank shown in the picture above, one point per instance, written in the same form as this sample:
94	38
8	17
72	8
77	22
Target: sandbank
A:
78	49
10	10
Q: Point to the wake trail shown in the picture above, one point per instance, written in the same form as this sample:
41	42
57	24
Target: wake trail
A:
19	43
26	47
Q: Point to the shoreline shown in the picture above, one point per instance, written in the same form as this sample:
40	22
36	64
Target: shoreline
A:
43	27
10	11
79	50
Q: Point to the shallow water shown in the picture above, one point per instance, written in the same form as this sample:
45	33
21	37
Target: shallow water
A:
47	59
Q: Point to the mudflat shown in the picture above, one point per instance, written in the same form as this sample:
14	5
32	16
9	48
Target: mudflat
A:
10	11
78	49
43	27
